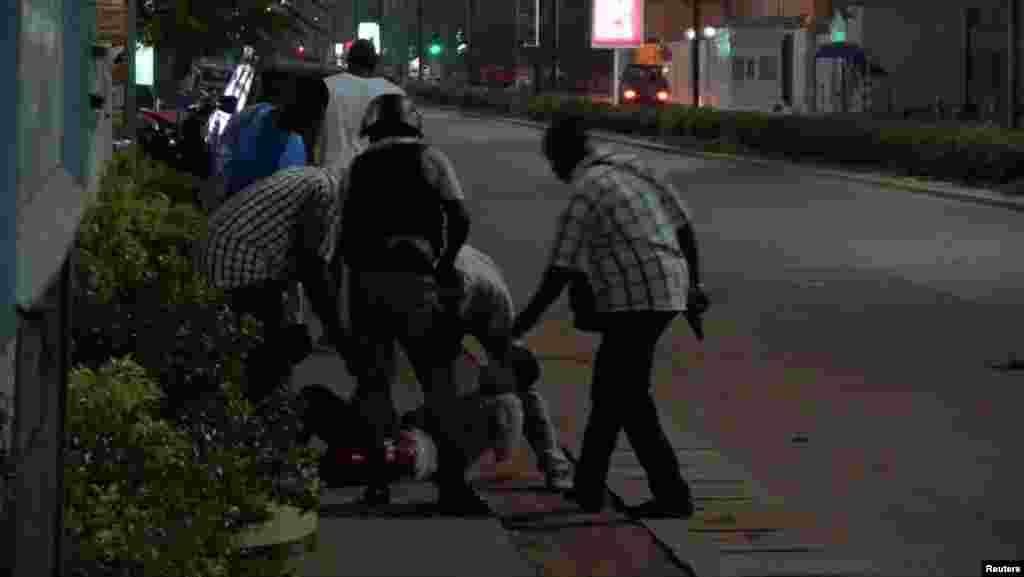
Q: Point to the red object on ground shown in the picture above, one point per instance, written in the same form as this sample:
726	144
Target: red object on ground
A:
161	115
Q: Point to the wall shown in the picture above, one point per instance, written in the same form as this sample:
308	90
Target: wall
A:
811	8
908	39
803	75
677	16
680	75
755	43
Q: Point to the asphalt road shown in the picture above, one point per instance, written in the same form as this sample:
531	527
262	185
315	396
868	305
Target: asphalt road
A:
886	306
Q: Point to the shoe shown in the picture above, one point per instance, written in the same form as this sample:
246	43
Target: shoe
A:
655	509
589	504
376	496
558	479
463	502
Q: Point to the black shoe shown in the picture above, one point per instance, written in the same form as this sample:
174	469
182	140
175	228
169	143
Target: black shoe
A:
655	509
463	502
589	503
376	496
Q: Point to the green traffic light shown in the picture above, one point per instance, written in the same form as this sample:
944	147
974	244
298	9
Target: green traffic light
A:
435	49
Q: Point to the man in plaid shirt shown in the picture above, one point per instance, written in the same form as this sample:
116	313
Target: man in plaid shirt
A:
280	229
630	234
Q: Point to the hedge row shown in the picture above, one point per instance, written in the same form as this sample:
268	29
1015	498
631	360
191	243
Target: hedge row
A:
166	461
975	155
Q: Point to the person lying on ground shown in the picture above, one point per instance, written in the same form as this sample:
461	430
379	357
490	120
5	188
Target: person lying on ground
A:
486	311
490	419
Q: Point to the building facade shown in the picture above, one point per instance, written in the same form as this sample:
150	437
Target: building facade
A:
48	118
978	47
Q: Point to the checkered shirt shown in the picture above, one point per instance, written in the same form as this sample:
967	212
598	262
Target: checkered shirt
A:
252	237
620	229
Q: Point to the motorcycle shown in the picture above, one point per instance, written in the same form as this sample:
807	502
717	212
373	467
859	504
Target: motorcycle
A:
158	136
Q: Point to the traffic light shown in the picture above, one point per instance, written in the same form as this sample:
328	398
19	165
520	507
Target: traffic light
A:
435	44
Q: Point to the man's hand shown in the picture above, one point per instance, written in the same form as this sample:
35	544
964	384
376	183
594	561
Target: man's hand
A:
697	300
518	330
697	304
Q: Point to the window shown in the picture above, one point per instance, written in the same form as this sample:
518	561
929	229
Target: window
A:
769	68
739	67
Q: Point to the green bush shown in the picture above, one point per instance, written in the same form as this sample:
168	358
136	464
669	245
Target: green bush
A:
166	460
129	172
138	291
146	496
976	155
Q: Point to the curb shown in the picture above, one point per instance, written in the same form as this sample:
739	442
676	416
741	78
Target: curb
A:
620	505
940	190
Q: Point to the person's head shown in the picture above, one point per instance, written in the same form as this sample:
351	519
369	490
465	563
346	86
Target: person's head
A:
390	116
565	144
302	102
362	58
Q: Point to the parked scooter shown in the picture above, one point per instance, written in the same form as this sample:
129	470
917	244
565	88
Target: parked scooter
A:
158	137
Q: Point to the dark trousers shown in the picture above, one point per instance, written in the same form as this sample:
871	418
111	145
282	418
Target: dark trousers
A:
381	318
270	363
621	400
266	367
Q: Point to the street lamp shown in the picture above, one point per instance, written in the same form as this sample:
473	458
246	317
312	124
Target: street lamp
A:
709	32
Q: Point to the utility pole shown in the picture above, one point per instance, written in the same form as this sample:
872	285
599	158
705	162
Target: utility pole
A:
129	86
1013	62
419	39
468	39
695	52
554	44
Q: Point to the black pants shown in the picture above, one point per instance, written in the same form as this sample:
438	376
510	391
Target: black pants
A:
621	400
381	318
270	363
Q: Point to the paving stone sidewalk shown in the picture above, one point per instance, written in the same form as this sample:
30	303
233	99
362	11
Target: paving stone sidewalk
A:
532	531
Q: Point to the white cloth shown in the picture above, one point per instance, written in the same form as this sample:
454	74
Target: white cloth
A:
350	98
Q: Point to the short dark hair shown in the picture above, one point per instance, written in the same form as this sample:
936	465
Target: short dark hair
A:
568	132
362	54
312	95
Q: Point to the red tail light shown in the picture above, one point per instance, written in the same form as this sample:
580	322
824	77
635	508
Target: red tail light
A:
662	95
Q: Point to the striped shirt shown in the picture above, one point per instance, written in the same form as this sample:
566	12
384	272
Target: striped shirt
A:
253	236
620	229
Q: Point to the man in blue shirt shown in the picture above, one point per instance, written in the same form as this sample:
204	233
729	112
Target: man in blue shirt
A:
265	138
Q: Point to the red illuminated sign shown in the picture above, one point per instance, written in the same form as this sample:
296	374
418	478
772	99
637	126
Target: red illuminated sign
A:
617	24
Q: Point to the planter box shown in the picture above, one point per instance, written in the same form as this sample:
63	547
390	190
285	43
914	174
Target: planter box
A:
279	545
275	547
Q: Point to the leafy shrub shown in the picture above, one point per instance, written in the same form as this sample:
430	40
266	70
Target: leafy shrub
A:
131	173
138	291
977	155
146	496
